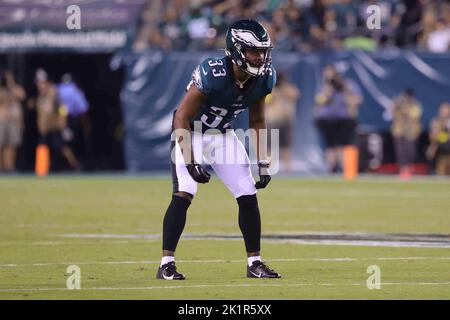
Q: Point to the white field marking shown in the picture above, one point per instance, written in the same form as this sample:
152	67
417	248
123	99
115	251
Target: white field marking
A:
364	243
356	193
66	243
230	286
328	242
46	264
377	179
123	239
279	233
359	243
110	236
331	242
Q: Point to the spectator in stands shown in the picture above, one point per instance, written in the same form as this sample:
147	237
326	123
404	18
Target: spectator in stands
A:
51	119
438	40
337	103
296	24
172	29
435	29
405	129
409	26
317	13
281	113
197	27
11	120
73	100
439	149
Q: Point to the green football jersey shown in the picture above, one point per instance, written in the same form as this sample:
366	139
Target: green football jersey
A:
225	100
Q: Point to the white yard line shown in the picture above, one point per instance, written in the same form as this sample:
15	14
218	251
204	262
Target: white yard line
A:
110	236
228	286
366	243
70	243
418	242
324	242
345	259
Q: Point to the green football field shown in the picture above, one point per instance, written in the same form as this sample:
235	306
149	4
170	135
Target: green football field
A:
320	234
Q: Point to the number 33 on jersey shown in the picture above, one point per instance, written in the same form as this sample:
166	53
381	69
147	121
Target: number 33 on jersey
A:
225	100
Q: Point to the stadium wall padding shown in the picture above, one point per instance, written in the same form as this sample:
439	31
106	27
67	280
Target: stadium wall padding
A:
156	81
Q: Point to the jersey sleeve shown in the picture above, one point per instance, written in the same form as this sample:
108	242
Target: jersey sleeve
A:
271	80
203	78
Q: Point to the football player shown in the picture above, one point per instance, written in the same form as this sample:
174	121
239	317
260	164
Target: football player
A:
219	91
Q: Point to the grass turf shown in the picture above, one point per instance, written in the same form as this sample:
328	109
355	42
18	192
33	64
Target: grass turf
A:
37	213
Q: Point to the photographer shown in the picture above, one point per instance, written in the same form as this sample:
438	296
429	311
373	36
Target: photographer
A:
405	130
281	114
336	111
439	149
77	130
11	120
51	120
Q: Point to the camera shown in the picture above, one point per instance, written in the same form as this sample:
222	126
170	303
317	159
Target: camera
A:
337	83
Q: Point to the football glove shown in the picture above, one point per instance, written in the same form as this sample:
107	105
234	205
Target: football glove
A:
198	173
264	175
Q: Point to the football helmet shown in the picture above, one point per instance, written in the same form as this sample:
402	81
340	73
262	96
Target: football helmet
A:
249	34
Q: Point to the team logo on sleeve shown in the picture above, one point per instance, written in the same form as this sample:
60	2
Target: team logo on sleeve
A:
197	79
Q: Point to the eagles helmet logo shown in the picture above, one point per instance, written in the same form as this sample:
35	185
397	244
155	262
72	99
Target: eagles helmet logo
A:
245	34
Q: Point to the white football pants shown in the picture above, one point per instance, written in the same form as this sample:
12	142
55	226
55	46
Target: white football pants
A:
226	155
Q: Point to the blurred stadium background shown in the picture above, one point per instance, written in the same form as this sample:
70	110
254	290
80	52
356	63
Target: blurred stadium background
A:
111	88
133	59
